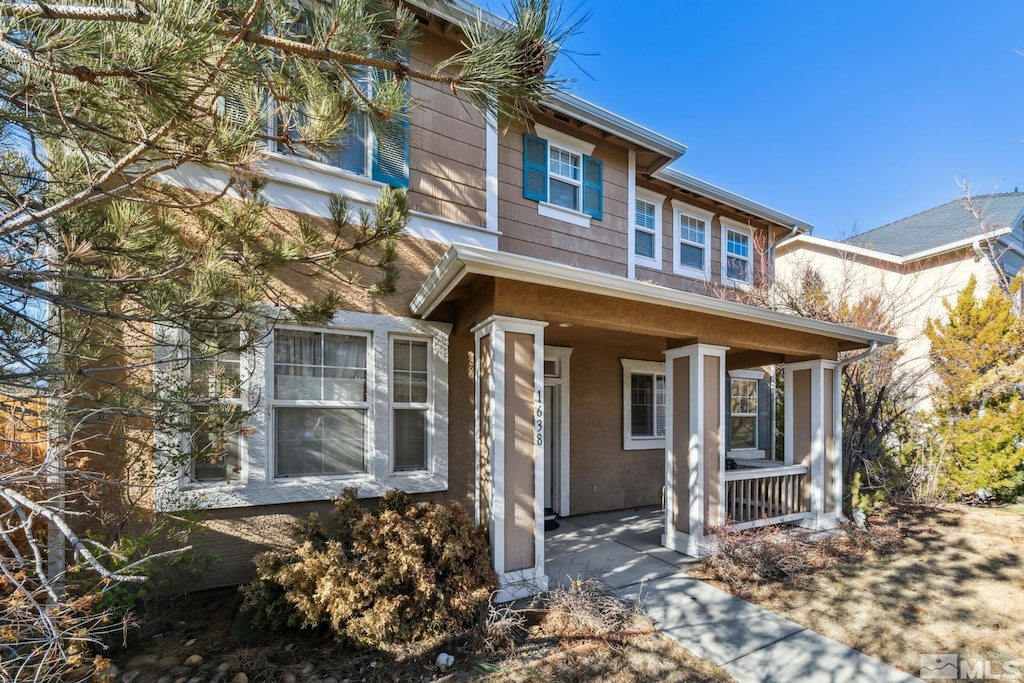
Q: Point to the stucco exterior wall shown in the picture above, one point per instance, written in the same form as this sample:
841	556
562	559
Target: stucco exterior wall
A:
603	476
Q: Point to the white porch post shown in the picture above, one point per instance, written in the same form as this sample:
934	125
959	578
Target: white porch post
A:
811	439
509	371
694	445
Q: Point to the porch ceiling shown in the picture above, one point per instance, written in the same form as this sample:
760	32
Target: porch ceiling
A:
530	287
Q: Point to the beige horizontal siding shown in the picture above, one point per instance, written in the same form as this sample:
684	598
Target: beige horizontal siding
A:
446	155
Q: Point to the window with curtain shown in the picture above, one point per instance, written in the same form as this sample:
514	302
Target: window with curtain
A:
410	403
320	403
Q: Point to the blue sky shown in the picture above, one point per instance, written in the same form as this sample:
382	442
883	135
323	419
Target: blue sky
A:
848	115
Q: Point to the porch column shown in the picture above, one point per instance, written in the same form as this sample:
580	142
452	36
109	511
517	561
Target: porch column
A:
694	445
811	439
509	371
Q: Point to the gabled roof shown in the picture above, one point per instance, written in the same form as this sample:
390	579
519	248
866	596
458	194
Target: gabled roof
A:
948	224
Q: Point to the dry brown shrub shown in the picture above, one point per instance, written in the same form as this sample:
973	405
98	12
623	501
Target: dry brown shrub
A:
587	609
739	557
404	573
501	628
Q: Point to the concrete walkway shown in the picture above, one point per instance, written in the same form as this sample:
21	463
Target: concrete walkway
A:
751	644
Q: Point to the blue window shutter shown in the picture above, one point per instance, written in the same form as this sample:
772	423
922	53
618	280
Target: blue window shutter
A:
535	168
593	192
391	146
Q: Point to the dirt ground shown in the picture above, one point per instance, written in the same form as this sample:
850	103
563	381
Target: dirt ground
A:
954	585
201	638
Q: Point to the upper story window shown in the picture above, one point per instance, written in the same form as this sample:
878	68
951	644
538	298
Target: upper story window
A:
560	174
737	256
564	178
692	248
644	404
645	230
379	152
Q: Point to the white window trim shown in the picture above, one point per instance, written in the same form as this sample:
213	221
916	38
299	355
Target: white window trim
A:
576	146
565	140
258	486
428	406
679	208
727	225
637	260
749	453
173	365
275	403
632	367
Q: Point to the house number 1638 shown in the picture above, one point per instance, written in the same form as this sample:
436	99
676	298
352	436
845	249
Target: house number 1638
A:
539	422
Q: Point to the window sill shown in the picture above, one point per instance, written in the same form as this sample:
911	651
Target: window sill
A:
692	273
292	491
319	177
561	213
644	444
648	263
737	284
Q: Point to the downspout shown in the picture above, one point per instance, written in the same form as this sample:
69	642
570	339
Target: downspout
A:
837	424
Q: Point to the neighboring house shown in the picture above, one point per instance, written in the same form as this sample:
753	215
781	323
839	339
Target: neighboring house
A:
564	336
918	263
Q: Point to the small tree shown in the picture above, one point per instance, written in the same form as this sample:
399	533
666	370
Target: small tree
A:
977	358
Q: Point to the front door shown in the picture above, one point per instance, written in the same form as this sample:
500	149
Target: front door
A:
552	451
556	430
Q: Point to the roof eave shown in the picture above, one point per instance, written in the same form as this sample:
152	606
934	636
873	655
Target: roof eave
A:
462	260
687	182
589	113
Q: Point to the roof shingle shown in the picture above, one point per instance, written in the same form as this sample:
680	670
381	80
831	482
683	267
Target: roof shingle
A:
945	224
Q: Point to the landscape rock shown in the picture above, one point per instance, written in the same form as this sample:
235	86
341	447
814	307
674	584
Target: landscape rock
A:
194	660
167	661
141	662
444	661
308	669
289	677
240	677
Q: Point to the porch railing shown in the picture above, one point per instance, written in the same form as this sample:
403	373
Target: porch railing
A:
765	495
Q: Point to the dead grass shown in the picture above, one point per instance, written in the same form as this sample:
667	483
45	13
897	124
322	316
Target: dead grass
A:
583	633
920	580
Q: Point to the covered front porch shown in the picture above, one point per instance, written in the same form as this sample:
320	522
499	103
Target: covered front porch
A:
592	392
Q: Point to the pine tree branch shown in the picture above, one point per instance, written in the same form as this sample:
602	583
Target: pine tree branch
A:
293	47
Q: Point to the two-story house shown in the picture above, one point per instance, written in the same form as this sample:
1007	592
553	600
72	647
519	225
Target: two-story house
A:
564	336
